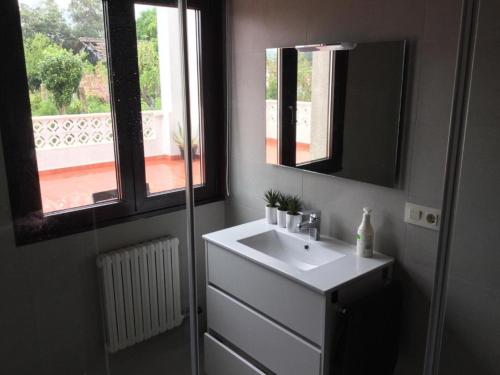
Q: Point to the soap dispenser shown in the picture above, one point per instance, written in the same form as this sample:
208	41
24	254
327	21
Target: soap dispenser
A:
364	239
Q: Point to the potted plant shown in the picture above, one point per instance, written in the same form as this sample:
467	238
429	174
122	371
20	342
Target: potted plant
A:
282	209
179	141
271	198
293	217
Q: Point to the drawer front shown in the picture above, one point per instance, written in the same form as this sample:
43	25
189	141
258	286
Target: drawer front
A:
220	360
269	344
291	304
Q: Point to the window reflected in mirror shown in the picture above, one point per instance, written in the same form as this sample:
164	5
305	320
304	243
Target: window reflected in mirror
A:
313	111
272	106
337	109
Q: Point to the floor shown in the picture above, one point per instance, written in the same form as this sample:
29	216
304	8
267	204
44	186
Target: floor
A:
73	187
302	152
166	354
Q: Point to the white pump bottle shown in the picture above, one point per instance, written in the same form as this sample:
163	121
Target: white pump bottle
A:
364	239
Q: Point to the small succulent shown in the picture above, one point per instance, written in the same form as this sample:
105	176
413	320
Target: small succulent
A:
271	197
283	202
294	205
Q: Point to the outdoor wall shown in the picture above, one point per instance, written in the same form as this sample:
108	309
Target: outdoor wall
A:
50	317
431	27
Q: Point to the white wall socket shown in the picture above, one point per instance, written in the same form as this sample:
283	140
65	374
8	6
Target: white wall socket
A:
422	216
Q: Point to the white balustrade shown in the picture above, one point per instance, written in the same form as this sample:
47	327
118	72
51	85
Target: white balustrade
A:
303	120
82	130
73	140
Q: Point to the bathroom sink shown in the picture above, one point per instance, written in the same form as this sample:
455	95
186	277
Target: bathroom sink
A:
304	255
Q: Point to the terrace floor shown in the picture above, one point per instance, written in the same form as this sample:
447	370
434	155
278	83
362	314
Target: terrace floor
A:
69	188
73	187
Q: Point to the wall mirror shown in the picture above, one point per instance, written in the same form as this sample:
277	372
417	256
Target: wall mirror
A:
336	109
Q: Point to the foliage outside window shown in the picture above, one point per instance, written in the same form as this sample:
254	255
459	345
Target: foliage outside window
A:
72	165
304	74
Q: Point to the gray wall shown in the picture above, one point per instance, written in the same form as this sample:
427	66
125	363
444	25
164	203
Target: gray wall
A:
432	28
50	320
472	331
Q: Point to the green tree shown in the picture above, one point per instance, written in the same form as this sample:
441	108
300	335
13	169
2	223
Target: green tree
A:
271	75
149	63
304	76
149	72
46	19
61	75
36	48
146	25
87	17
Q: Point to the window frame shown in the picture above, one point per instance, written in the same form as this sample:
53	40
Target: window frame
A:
30	223
287	115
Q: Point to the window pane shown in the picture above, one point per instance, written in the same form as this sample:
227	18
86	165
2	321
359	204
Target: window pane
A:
66	63
313	132
272	105
161	97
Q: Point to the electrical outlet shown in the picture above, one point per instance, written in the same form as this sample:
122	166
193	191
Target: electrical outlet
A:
422	216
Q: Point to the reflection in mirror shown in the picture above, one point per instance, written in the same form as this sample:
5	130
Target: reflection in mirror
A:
336	109
313	111
272	106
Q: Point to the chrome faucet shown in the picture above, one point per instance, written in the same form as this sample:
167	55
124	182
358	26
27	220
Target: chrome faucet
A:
312	222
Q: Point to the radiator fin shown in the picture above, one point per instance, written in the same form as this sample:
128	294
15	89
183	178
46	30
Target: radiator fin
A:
141	291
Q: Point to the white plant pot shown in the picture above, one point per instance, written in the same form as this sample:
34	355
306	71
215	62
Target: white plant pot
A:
282	219
271	215
291	222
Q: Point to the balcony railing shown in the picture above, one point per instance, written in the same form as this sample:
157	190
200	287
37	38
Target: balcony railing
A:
73	140
303	120
64	131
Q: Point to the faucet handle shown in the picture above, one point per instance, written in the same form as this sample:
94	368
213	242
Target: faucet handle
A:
312	214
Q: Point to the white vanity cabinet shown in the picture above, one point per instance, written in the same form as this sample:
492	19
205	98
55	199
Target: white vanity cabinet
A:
262	321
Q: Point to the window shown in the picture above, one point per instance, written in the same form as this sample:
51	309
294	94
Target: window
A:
161	107
272	128
94	137
305	94
313	109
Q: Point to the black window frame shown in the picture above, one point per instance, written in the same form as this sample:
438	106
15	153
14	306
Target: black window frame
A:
287	113
30	223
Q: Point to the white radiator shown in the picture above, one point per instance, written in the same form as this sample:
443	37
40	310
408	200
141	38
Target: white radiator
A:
141	291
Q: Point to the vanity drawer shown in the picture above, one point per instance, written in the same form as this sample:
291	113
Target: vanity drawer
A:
291	304
220	360
269	344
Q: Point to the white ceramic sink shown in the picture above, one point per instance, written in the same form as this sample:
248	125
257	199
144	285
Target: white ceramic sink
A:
304	255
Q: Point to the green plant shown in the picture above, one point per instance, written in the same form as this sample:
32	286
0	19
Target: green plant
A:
36	48
271	197
149	71
283	202
61	74
75	107
294	205
97	105
42	107
179	138
146	25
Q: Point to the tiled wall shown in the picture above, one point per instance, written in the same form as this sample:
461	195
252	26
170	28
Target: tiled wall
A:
431	27
472	330
50	316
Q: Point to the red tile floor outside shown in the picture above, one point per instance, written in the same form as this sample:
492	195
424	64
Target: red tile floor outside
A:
302	156
73	187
